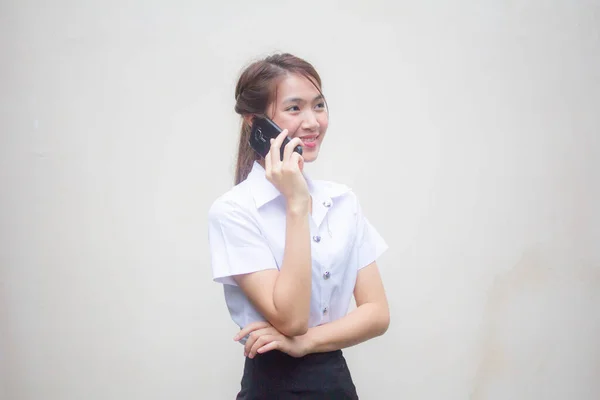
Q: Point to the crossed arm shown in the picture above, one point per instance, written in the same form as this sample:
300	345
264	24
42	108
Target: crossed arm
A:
283	296
371	318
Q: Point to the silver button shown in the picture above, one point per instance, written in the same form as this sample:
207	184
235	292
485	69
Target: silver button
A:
327	203
317	238
326	275
325	310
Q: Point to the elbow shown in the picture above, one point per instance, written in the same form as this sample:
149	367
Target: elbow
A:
290	322
383	322
294	328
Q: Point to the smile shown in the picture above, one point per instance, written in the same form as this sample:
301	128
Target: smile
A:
309	142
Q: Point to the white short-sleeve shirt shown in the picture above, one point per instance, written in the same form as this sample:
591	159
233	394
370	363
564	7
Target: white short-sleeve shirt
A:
246	229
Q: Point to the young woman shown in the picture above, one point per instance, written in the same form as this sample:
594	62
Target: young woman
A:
291	251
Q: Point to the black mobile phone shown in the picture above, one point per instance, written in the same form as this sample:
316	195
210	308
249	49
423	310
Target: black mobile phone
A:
263	129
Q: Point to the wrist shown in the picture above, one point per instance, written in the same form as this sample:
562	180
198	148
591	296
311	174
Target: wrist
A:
307	342
298	207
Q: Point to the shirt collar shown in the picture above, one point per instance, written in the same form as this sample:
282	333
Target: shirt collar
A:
264	191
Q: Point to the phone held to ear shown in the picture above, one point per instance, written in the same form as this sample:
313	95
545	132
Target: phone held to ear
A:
263	129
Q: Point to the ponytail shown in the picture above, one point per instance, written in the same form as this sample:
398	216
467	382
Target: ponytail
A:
245	156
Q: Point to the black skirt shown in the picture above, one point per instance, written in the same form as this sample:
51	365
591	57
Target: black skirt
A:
278	376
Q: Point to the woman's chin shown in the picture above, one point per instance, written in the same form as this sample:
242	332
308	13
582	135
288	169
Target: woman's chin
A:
309	158
310	155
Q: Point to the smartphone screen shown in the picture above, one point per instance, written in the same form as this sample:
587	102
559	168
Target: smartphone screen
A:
263	129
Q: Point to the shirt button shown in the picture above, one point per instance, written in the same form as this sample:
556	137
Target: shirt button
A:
327	203
325	310
317	238
326	275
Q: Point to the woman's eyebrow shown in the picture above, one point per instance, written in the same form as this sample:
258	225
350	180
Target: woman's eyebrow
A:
300	100
293	100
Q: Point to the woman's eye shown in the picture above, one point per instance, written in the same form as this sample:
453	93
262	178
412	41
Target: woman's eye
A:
321	105
293	108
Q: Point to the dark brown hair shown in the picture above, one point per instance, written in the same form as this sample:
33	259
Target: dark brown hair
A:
255	90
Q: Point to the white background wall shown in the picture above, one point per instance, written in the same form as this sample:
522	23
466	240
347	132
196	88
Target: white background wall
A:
470	130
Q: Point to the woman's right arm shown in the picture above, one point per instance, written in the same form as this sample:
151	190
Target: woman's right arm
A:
283	296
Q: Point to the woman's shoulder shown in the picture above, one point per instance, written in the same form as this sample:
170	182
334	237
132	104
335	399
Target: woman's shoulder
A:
235	201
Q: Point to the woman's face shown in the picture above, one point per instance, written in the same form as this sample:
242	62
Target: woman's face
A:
300	109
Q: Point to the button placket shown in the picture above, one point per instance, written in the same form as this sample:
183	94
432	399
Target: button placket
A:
325	274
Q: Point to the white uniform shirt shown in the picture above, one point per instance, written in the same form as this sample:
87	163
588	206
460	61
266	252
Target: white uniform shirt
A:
247	234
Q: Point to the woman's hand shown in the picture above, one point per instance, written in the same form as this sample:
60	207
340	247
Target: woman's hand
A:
286	175
264	337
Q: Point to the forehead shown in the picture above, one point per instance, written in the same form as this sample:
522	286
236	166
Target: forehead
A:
294	85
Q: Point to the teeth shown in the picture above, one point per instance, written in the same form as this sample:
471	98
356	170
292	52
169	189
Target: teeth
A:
309	139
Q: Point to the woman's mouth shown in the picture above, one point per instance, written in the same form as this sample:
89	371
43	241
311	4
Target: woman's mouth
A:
309	141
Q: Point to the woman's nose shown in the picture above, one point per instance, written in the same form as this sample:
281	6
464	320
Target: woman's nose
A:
310	122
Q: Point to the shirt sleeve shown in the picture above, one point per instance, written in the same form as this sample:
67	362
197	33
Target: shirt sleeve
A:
236	243
370	244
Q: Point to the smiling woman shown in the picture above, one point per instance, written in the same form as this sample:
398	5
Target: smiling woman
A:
288	90
292	251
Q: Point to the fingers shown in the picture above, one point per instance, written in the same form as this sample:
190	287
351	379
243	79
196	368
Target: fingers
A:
250	342
273	161
276	146
255	336
250	328
260	342
297	159
288	152
274	345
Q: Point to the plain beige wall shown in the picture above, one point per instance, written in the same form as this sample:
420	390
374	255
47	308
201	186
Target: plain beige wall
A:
470	131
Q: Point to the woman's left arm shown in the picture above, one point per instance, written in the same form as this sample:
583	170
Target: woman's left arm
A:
371	317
